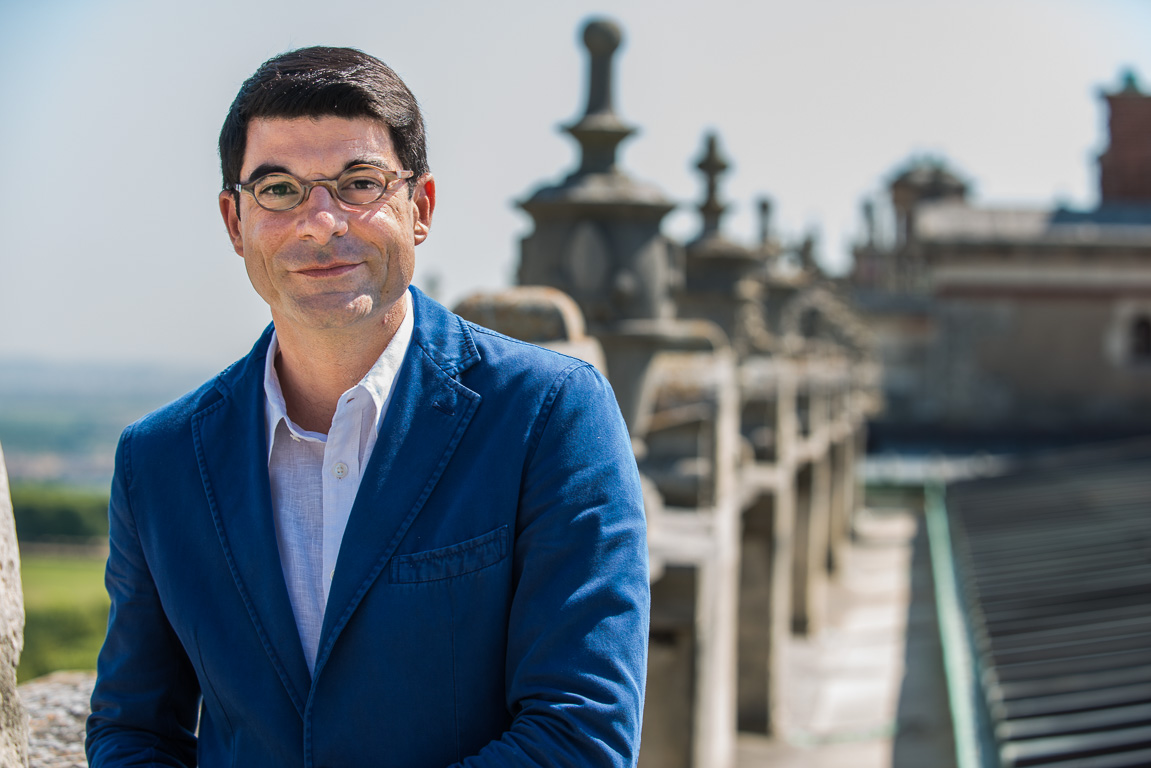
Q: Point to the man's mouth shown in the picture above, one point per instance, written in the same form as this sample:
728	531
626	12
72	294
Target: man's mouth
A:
334	270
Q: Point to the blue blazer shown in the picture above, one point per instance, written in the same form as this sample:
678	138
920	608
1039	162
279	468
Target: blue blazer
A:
490	602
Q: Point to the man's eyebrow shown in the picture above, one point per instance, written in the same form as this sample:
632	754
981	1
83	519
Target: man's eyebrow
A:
378	162
265	169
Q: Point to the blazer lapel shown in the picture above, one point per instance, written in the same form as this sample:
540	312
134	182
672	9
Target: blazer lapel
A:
231	447
427	417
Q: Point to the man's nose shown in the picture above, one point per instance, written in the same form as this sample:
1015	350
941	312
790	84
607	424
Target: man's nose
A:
321	217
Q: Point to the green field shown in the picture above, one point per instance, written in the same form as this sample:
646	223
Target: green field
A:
66	613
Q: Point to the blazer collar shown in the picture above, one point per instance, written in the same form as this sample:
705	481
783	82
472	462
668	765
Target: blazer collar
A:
443	336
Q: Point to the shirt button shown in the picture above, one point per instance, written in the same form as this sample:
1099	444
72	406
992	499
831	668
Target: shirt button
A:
340	470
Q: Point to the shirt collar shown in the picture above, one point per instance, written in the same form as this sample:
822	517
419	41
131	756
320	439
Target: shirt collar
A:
377	383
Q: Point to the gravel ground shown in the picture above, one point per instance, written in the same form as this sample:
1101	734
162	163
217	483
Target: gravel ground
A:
57	706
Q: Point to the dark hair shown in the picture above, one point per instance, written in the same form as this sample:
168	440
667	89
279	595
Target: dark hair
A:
318	82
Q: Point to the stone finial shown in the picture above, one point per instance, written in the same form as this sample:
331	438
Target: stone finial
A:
597	233
602	38
764	221
13	720
712	164
600	131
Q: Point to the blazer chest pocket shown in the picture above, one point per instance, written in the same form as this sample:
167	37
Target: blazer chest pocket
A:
456	560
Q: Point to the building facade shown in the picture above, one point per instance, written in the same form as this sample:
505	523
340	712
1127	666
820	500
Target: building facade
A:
1019	324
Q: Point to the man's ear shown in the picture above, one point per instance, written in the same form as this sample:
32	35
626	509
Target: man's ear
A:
230	210
424	204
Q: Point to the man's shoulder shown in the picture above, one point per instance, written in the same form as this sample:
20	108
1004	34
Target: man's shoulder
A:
177	413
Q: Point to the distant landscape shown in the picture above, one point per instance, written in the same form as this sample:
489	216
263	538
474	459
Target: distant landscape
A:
59	424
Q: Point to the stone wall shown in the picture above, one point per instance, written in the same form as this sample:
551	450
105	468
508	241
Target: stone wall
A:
13	720
58	708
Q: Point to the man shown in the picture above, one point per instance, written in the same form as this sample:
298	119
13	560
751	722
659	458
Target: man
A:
386	536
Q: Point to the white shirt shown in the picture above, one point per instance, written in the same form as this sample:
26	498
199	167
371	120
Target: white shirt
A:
315	477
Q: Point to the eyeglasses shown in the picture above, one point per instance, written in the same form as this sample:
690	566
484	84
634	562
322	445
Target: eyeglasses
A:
358	185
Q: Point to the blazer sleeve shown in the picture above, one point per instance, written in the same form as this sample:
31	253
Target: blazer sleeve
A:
146	696
578	627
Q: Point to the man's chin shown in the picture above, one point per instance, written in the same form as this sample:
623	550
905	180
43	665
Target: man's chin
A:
326	314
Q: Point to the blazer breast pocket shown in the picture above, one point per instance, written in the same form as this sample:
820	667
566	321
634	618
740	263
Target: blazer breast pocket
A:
455	560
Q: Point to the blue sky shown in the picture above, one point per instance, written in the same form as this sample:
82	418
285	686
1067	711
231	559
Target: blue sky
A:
114	248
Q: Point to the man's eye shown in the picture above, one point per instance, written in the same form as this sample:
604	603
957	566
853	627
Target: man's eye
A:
277	189
364	184
361	189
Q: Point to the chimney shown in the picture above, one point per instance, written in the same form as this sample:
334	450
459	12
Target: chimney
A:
1125	166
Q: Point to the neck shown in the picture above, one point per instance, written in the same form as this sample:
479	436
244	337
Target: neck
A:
316	367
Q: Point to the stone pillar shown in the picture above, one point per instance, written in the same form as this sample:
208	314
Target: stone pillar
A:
721	704
695	429
757	566
848	495
13	719
780	617
842	472
801	550
813	524
859	484
840	515
669	732
784	541
769	424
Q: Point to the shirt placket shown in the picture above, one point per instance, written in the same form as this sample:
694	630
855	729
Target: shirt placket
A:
341	479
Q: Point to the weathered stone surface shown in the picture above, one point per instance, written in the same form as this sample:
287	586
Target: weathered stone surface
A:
13	721
58	705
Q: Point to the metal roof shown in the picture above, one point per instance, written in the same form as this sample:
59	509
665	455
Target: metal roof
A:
1053	563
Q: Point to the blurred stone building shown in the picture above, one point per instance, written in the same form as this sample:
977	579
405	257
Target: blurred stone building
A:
1010	324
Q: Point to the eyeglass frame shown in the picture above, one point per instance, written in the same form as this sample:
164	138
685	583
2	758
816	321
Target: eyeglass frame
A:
332	185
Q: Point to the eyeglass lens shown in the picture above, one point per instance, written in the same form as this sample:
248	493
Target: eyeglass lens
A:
356	186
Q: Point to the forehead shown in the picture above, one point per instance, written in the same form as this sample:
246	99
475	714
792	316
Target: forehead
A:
309	146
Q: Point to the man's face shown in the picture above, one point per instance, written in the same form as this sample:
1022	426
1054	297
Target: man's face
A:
326	264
